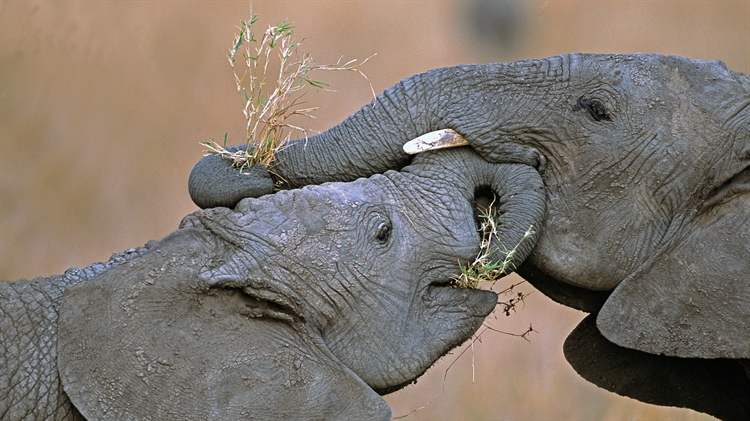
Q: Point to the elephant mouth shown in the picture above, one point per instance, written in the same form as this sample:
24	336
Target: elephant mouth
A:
452	315
443	282
444	295
484	200
472	302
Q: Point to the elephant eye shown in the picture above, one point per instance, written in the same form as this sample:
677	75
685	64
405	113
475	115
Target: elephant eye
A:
594	107
384	232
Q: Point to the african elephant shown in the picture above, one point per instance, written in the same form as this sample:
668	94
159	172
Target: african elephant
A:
297	305
646	167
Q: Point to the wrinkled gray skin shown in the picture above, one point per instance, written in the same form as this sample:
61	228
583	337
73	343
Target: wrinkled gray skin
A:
646	166
297	305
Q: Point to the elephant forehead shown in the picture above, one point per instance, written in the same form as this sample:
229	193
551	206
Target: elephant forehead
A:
711	84
324	214
430	201
333	217
310	203
334	207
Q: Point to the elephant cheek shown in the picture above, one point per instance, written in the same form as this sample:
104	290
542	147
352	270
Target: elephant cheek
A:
449	317
571	257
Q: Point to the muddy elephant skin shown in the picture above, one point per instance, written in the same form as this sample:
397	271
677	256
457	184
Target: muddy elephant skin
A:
304	304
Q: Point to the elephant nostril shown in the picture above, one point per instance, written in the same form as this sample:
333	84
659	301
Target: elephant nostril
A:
484	198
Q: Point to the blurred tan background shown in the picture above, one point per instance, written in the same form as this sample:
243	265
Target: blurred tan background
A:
103	105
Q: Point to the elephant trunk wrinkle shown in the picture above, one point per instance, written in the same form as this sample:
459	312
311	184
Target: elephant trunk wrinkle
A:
407	110
341	158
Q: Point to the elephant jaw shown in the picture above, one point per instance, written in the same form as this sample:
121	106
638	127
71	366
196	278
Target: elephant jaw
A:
441	318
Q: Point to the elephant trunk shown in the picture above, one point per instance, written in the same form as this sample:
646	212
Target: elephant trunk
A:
477	101
519	200
521	208
368	142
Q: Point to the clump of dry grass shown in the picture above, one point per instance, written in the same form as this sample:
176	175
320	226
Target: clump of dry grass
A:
271	79
483	269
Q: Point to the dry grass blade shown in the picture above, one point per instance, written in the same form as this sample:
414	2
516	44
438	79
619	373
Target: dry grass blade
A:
271	79
484	269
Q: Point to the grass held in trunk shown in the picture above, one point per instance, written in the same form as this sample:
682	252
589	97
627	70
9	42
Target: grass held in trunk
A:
271	77
484	269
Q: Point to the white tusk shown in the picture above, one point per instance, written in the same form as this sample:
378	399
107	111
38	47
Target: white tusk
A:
440	139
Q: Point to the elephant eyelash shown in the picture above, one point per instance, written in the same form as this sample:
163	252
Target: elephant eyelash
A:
384	232
595	108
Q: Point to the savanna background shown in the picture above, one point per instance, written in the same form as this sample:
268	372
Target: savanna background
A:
103	105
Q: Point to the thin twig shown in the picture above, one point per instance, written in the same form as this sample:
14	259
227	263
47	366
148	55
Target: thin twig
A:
477	337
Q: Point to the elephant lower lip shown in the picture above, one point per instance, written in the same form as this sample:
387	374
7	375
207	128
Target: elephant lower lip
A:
471	301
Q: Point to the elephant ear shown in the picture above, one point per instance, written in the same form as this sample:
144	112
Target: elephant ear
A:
149	340
693	300
719	387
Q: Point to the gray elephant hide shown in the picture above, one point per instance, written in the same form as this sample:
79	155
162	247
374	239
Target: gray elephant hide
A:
305	304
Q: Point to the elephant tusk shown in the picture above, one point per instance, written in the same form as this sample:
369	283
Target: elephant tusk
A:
440	139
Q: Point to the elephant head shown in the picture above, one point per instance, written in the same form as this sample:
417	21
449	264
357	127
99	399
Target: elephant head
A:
646	167
297	305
